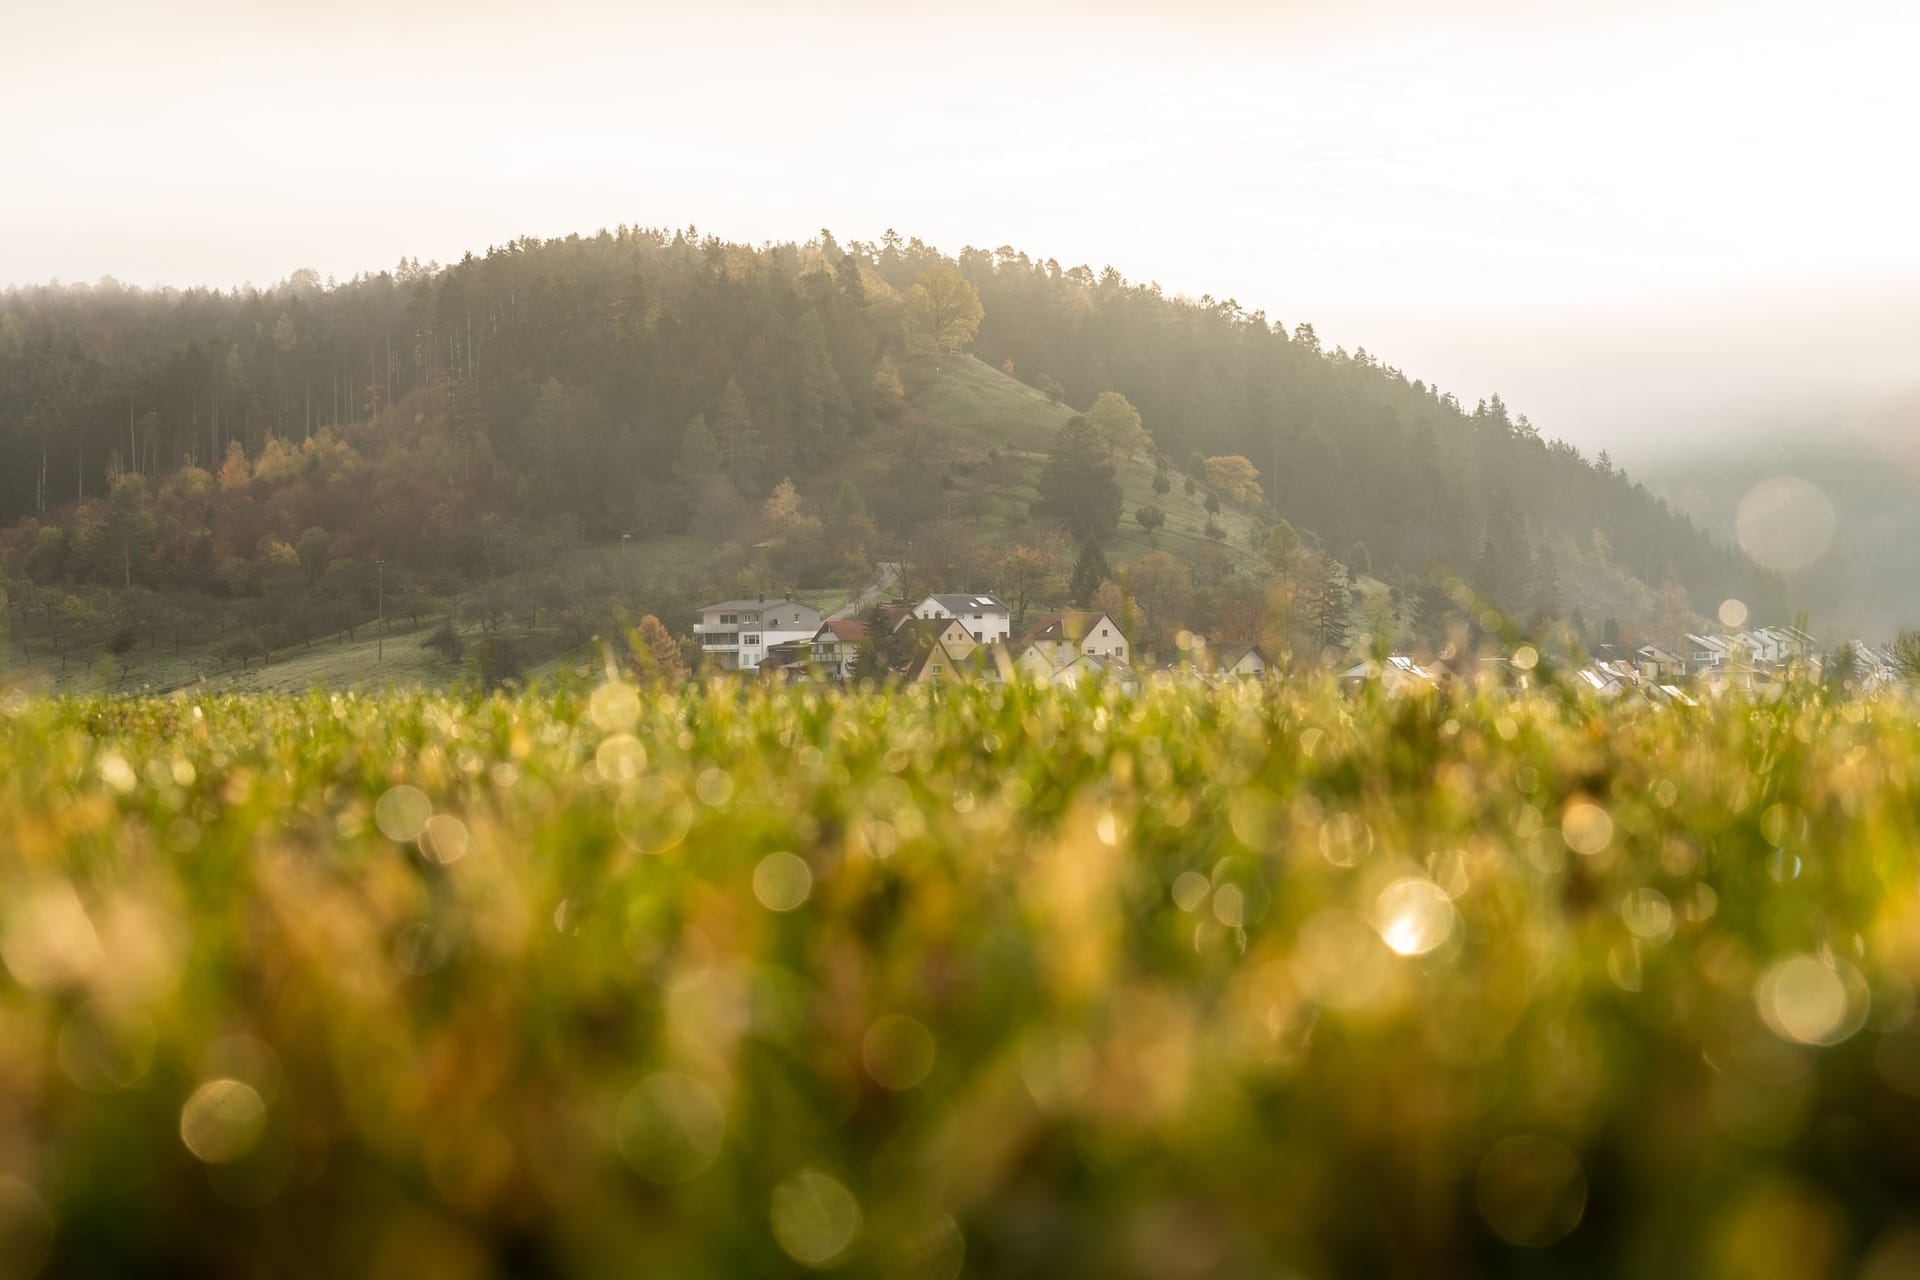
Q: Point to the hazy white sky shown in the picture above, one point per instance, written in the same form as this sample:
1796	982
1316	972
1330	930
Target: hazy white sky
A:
1626	217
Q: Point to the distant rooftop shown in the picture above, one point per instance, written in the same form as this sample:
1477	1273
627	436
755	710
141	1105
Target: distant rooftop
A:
762	602
964	604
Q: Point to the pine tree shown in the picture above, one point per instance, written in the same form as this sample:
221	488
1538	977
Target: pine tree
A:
1543	584
1089	571
1500	573
738	440
699	454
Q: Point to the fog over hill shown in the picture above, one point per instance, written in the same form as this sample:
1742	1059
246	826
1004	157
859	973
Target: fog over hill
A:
1833	501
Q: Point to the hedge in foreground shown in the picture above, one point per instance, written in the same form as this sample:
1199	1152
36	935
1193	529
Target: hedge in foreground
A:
741	982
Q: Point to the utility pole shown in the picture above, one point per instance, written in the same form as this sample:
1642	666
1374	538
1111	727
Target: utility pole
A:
380	597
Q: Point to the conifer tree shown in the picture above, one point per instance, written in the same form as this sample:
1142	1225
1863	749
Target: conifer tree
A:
699	454
1089	571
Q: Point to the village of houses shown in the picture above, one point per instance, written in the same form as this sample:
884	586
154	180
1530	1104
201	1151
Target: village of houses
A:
946	637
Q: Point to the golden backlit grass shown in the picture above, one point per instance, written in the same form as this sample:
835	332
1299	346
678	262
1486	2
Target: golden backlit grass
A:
718	982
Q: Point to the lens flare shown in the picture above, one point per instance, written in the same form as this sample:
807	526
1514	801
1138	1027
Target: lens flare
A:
1413	916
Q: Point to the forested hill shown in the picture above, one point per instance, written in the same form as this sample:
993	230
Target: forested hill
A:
1350	447
456	421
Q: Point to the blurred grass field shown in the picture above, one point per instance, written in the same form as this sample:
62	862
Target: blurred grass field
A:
997	982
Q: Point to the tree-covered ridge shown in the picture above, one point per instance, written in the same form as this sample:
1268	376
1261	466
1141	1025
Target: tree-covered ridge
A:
1349	447
580	362
645	382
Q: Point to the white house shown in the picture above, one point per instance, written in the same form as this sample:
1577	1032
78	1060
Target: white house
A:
1062	637
1707	651
1660	662
986	618
1245	661
1398	674
836	646
737	633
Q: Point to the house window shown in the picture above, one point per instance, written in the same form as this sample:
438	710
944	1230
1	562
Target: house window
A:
729	619
749	639
1119	650
1103	633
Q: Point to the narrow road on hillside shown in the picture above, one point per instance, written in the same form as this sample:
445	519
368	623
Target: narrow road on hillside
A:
889	576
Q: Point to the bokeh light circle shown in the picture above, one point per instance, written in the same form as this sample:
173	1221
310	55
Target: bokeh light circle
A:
898	1052
402	813
1784	523
782	881
1807	1000
653	814
223	1121
1586	827
614	707
815	1218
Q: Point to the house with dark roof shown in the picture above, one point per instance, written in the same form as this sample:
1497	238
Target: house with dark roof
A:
942	649
986	618
1062	637
736	634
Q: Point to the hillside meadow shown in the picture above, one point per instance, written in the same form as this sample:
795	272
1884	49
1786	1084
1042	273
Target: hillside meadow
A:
737	981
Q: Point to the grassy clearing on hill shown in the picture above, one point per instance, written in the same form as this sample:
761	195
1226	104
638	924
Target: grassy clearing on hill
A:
732	981
984	408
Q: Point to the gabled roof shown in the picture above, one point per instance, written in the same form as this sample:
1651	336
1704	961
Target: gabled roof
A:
761	604
968	603
928	630
845	630
971	660
1037	654
1398	665
1234	655
1075	625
